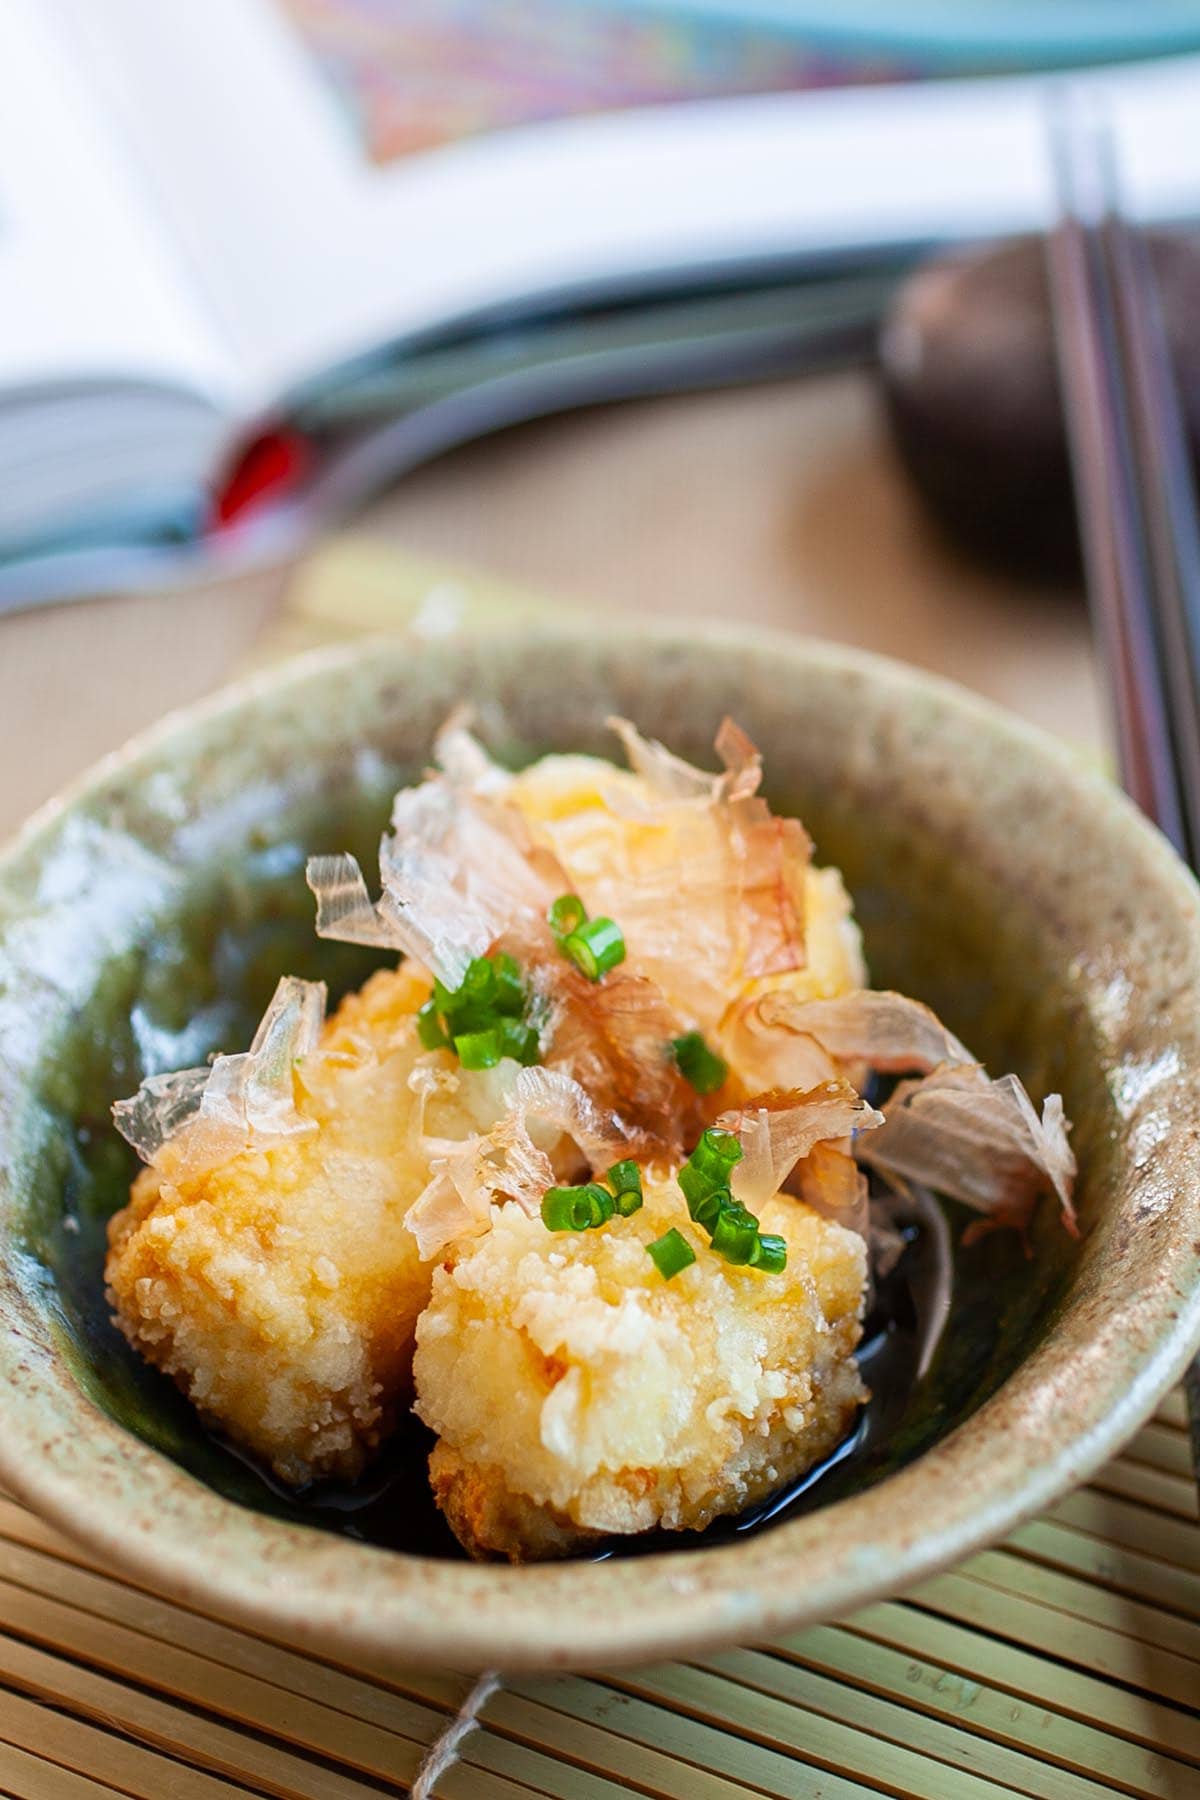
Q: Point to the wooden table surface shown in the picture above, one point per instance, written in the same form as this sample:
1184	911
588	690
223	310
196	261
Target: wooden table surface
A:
780	504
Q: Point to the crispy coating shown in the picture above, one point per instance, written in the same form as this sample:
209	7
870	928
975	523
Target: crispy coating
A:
576	1393
281	1289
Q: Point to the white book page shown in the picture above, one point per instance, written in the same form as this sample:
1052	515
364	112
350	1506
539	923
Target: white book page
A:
88	291
310	253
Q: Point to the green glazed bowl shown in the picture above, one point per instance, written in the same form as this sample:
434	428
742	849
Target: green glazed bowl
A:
145	917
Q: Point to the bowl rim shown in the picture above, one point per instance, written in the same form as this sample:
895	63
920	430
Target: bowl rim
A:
130	1504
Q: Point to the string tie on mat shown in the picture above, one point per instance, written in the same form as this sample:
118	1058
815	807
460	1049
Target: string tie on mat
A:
442	1754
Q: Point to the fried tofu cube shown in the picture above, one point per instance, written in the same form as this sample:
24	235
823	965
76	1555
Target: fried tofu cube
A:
281	1289
576	1393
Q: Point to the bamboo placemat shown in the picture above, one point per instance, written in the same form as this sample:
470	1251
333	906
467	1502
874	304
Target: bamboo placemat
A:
1062	1665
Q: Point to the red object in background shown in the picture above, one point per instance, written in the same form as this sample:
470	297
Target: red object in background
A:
268	467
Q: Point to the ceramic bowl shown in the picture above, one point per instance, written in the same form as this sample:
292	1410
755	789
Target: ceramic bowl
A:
145	917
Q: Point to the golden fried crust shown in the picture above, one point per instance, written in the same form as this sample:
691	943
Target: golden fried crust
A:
575	1393
492	1522
281	1289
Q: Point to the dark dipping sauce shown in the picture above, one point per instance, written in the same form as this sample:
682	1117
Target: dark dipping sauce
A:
392	1505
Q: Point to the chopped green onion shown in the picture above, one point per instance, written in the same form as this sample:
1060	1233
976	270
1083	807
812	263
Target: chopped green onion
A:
697	1186
704	1179
625	1177
479	1049
478	984
564	1210
566	915
510	990
596	946
735	1235
483	1018
709	1207
602	1203
625	1180
577	1208
771	1254
706	1171
671	1253
430	1030
519	1041
717	1153
445	999
593	945
699	1065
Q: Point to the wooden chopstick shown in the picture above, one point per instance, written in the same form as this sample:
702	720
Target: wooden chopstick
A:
1163	466
1135	496
1107	491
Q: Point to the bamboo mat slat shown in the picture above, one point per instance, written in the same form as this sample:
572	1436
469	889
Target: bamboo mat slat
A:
1110	1565
204	1741
1104	1652
1033	1676
69	1750
835	1743
698	1759
579	1741
1153	1487
1062	1665
926	1685
894	1721
1105	1515
1084	1600
1163	1446
26	1777
1173	1410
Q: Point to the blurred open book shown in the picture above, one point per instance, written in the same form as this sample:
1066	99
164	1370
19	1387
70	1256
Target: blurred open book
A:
253	262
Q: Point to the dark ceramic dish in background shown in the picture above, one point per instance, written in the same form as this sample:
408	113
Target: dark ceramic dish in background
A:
145	919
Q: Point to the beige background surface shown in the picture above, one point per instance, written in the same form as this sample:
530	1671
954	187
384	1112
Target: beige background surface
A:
779	504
